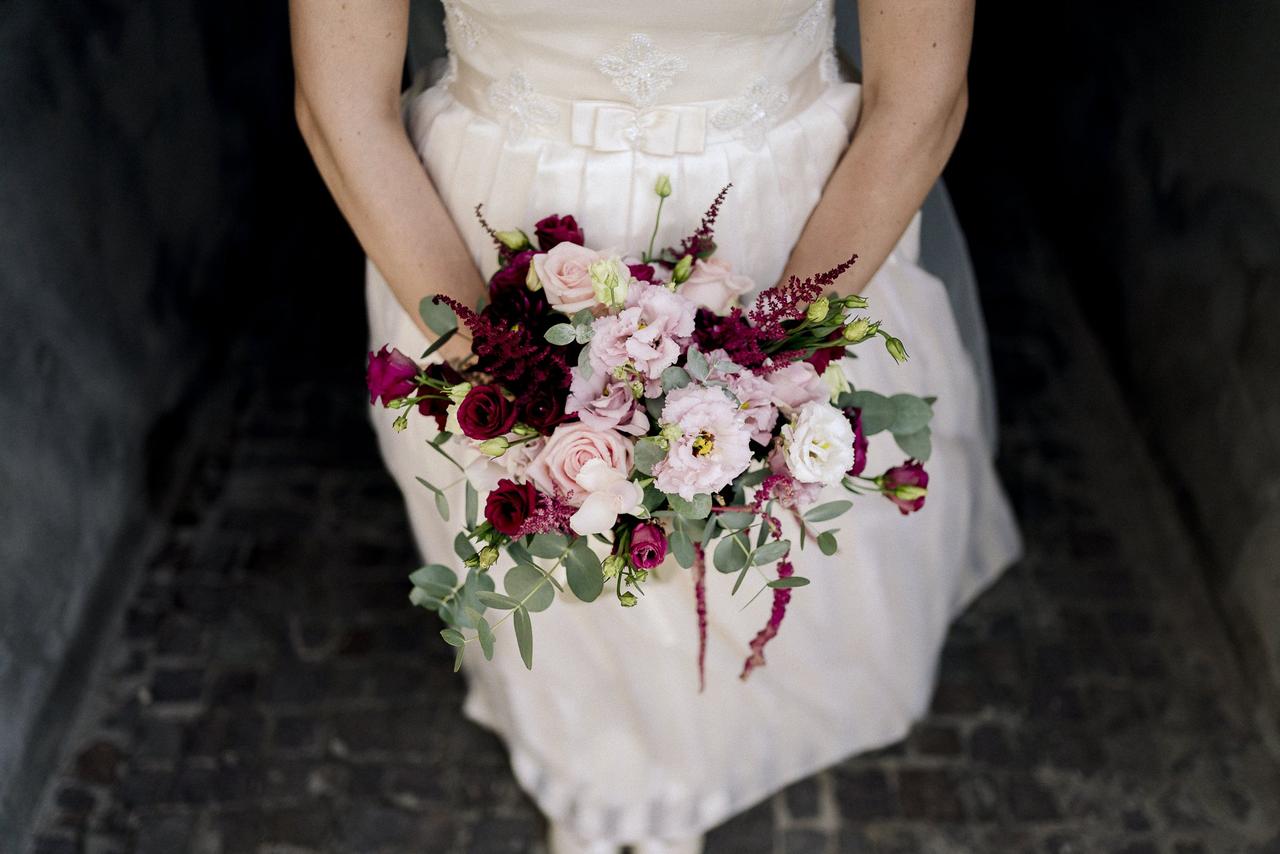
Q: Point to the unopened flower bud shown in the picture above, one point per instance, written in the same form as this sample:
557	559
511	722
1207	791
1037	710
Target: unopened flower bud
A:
523	429
682	270
663	187
855	301
495	447
488	557
457	393
910	493
531	280
610	281
637	389
515	240
896	349
837	383
818	310
640	576
857	330
627	600
671	432
613	564
401	423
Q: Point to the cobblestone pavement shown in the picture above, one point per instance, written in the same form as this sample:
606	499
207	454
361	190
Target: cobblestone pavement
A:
268	689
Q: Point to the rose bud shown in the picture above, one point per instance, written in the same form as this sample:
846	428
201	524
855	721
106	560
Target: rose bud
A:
648	545
906	485
509	505
554	230
663	186
486	413
390	375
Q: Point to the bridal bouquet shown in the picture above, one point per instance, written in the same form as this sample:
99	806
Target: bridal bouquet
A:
626	406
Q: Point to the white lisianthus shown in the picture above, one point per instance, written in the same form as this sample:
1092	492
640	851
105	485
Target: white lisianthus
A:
609	493
610	279
836	381
818	444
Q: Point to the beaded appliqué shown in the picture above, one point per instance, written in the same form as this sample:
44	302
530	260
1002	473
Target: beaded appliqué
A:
753	112
526	107
640	70
810	23
466	26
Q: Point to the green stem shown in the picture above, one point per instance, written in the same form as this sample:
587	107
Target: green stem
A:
657	219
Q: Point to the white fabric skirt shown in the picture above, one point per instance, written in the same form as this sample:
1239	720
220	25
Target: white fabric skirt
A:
609	732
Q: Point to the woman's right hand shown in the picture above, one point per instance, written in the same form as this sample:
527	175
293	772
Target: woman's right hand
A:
348	59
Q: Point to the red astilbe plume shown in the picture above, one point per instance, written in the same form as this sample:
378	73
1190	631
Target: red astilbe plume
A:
788	301
500	350
730	333
781	598
702	242
700	604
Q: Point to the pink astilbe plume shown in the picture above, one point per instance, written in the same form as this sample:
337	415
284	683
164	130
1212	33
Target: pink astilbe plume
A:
788	301
781	598
550	516
703	240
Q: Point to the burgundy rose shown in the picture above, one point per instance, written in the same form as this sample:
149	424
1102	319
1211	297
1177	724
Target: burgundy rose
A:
509	505
512	277
542	408
390	375
555	229
642	272
854	414
437	405
825	356
648	545
905	485
485	413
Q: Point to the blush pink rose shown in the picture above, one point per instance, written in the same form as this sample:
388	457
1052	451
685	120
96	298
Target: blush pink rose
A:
712	284
795	385
557	465
565	274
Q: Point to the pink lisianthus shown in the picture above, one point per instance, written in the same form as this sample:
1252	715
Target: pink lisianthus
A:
648	545
557	465
603	402
755	400
565	274
390	375
713	446
906	486
790	492
796	384
712	284
649	335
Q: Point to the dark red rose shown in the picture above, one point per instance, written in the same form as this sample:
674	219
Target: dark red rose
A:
825	356
557	229
854	414
437	405
512	277
485	413
642	272
648	545
390	375
542	408
509	505
905	485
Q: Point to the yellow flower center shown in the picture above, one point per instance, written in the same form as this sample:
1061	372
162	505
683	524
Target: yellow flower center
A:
704	444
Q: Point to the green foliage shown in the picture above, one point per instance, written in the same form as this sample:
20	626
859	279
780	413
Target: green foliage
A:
771	551
878	411
524	636
561	334
696	364
791	581
698	508
830	510
648	453
682	547
439	317
586	576
827	543
731	553
918	444
674	377
910	414
528	585
549	546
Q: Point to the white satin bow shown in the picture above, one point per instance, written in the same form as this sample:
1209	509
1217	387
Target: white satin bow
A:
615	126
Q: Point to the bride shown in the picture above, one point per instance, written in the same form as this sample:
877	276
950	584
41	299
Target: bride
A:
577	109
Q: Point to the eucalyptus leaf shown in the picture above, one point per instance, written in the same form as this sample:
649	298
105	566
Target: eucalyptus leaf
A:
648	453
731	553
549	546
910	414
442	506
830	510
696	364
728	366
771	551
753	478
524	636
428	484
438	316
583	317
878	411
827	543
497	600
485	635
473	506
709	529
527	585
918	444
561	334
583	334
698	508
457	658
674	377
653	498
584	362
791	581
682	548
420	597
585	575
434	576
452	637
439	342
735	521
519	553
654	405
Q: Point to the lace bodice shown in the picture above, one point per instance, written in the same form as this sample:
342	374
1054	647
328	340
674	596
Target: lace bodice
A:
663	76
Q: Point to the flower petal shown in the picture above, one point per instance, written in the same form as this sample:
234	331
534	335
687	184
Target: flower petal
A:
596	515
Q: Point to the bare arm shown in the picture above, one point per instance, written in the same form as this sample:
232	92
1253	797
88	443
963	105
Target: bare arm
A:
348	58
914	95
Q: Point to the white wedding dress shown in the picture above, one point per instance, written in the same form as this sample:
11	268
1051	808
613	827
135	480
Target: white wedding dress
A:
577	108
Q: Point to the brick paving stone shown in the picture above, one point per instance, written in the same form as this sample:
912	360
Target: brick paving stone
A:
268	689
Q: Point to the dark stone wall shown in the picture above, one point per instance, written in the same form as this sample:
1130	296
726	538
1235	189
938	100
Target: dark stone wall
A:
1144	138
148	169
